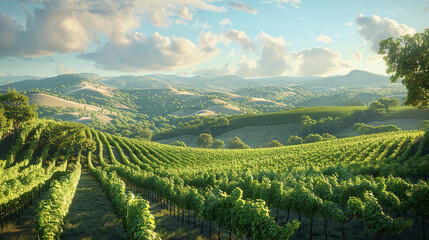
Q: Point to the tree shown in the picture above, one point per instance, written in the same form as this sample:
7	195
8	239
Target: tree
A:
144	133
237	143
205	140
274	143
178	143
17	109
389	103
218	144
407	57
327	136
383	105
294	140
313	138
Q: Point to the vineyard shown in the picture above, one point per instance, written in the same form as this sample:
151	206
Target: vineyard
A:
362	187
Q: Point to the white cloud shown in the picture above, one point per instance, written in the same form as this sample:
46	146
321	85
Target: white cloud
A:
241	6
349	24
66	26
320	61
374	29
357	56
216	71
185	14
225	22
324	39
63	70
154	53
241	38
272	61
294	3
201	25
1	73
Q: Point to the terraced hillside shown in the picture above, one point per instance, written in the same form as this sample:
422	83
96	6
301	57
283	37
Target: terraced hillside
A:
353	188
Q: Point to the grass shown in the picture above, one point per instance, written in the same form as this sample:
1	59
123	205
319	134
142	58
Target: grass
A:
267	119
407	113
259	129
24	227
91	215
252	136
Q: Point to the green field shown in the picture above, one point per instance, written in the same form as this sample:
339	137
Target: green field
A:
256	130
267	119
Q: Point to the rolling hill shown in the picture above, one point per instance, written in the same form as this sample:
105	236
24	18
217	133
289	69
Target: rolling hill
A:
161	102
259	129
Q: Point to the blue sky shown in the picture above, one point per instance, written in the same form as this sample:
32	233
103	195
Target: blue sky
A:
246	38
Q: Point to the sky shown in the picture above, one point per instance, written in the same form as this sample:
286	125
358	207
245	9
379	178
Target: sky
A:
260	38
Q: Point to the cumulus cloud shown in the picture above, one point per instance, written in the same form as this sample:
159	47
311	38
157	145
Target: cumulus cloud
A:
185	13
324	39
320	61
66	26
241	6
357	56
272	61
216	71
61	69
154	53
374	29
225	22
241	38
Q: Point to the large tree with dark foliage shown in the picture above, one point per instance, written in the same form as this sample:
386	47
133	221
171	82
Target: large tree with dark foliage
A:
17	109
407	57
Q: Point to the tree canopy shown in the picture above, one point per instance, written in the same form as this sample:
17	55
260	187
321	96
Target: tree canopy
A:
407	57
237	143
384	105
218	144
205	140
273	143
178	143
17	109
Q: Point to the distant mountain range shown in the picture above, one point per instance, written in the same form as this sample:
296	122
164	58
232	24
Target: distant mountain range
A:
9	79
355	79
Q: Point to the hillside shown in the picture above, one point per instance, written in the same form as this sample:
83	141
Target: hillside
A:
60	81
259	129
10	79
151	179
72	109
265	119
354	79
253	136
88	88
160	95
160	103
